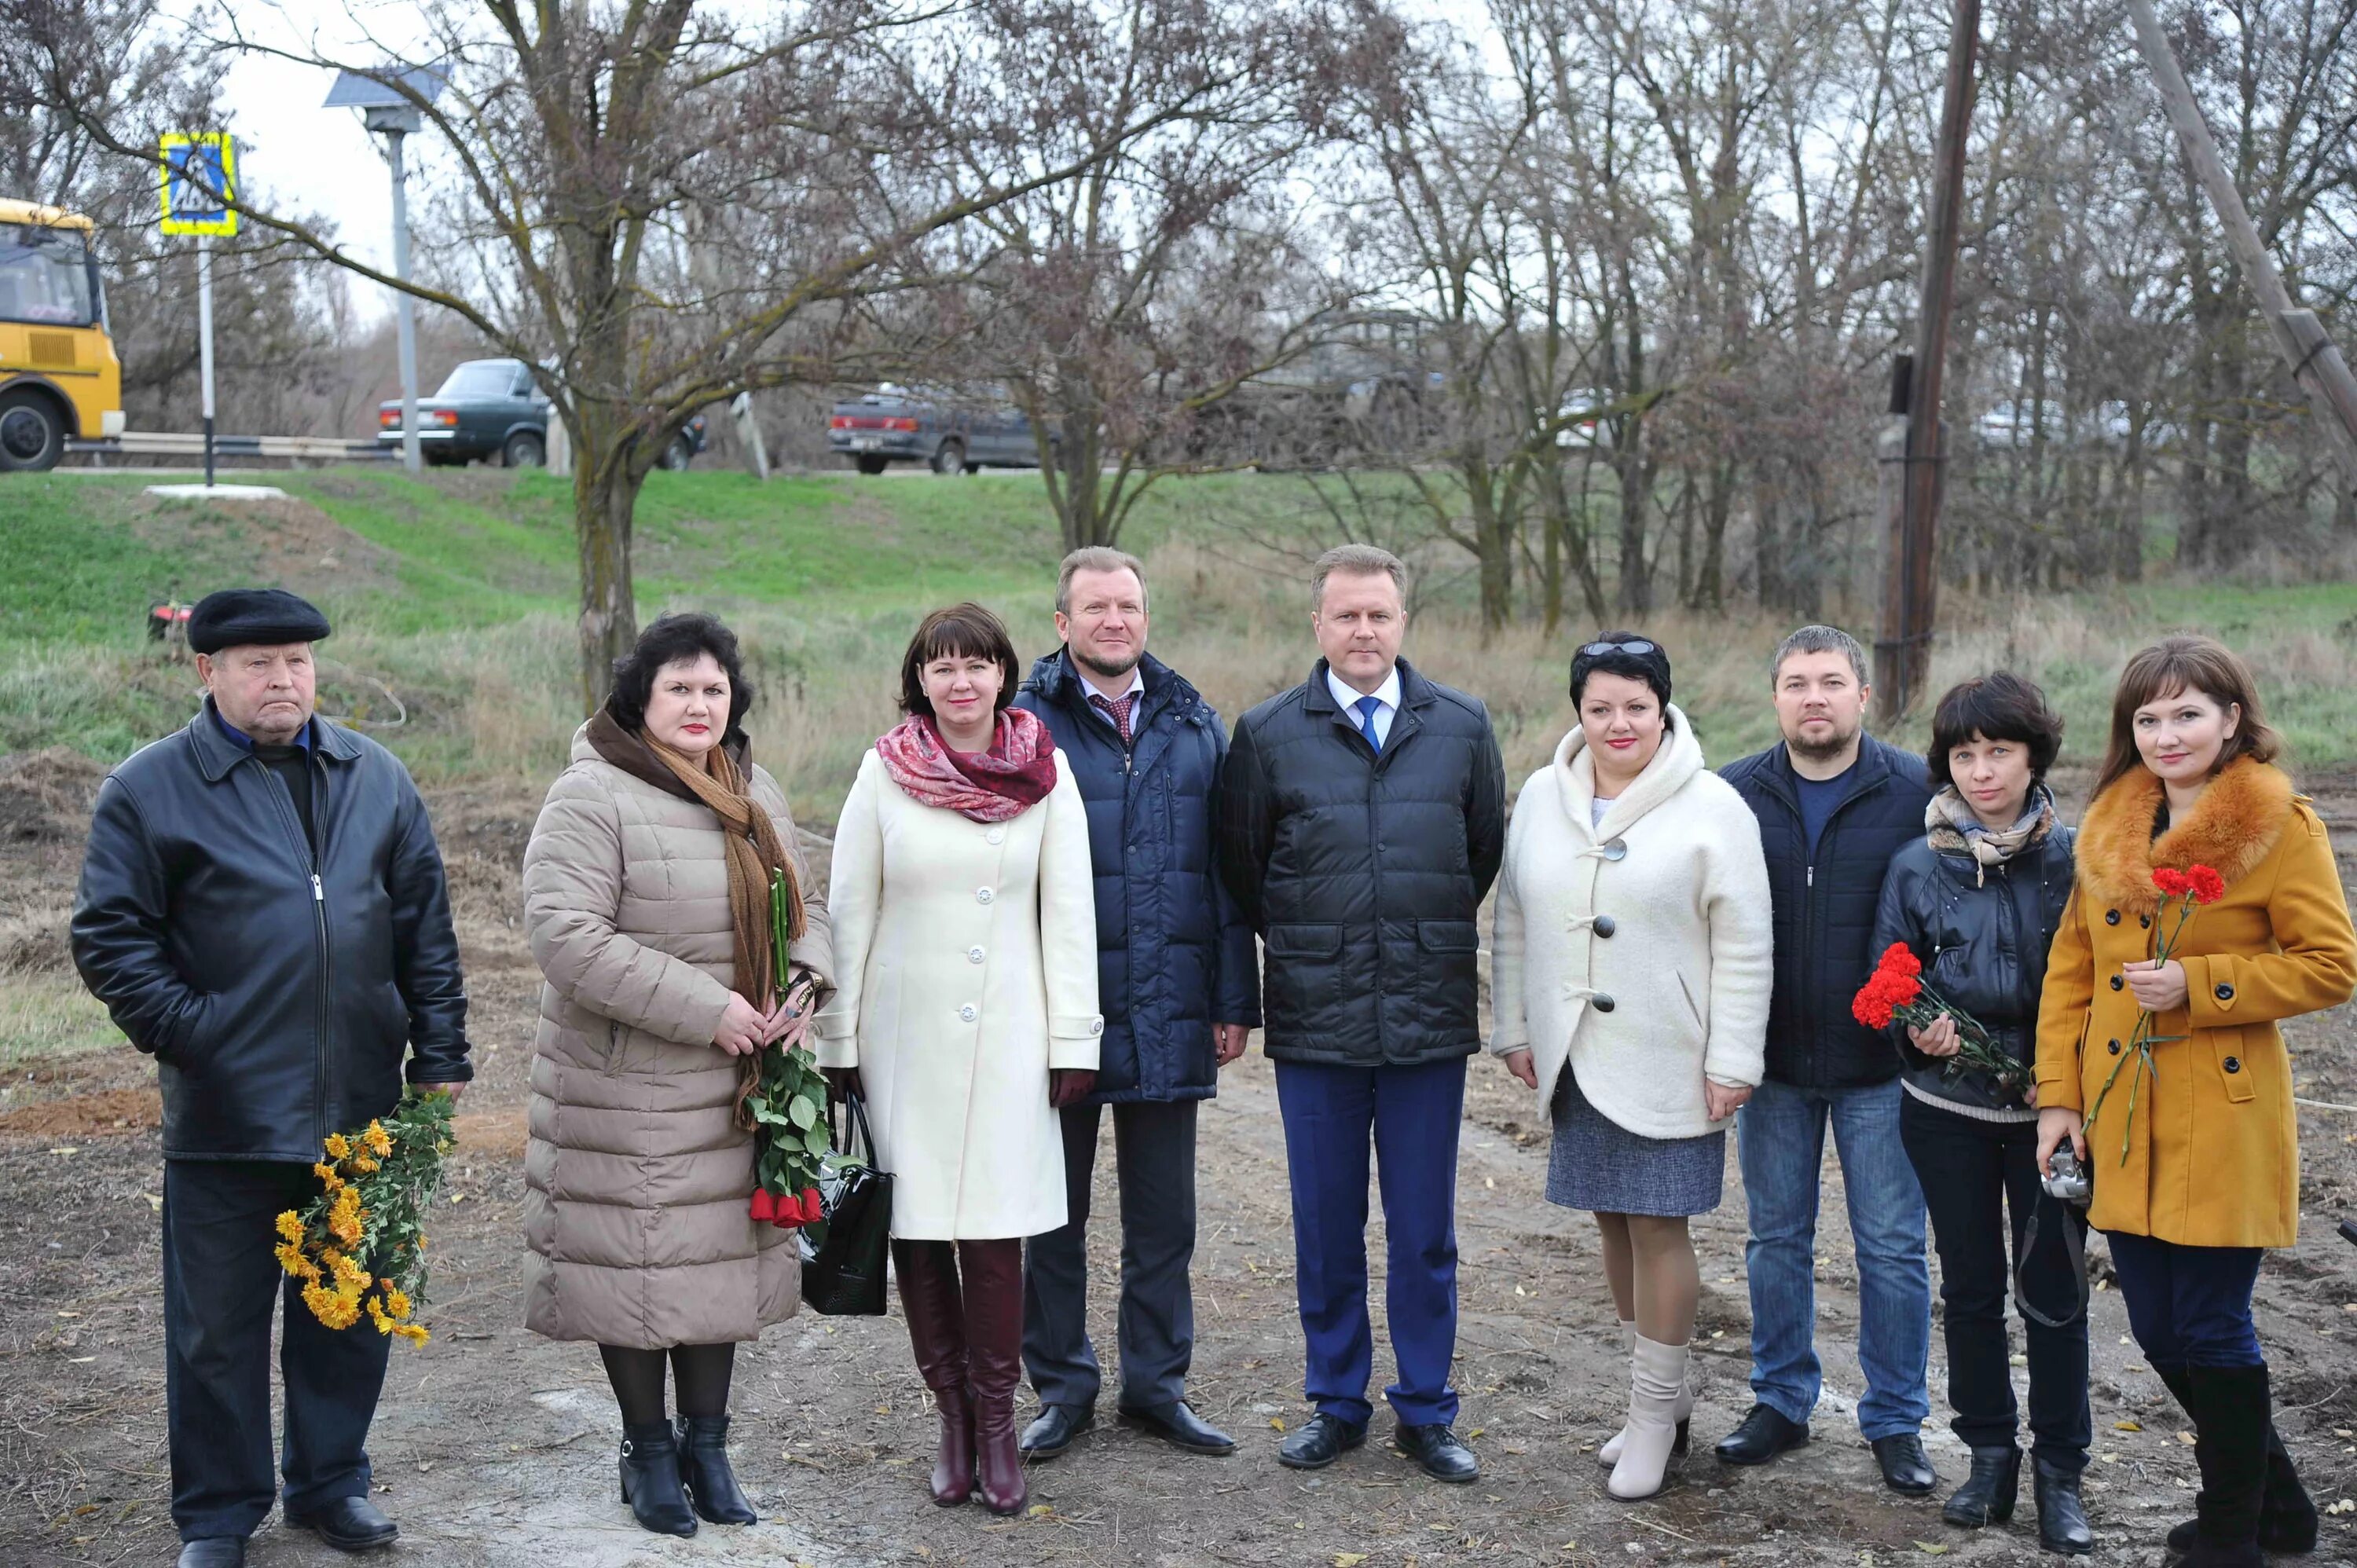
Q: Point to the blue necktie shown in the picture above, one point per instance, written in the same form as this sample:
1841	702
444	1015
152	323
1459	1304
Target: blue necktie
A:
1367	706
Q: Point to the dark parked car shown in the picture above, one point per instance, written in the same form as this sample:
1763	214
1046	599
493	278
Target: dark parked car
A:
949	433
491	408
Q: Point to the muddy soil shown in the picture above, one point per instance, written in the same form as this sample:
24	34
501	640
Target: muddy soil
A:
495	1448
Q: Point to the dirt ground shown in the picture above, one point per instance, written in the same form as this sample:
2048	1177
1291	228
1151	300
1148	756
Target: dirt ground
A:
495	1448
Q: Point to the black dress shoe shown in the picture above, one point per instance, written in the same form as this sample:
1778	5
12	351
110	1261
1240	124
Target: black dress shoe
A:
1440	1451
213	1551
705	1471
650	1480
1325	1439
1905	1466
1054	1428
348	1524
2061	1517
1760	1436
1987	1497
1177	1424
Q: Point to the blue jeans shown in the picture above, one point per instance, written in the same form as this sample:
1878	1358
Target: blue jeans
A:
2191	1306
1411	1114
1781	1145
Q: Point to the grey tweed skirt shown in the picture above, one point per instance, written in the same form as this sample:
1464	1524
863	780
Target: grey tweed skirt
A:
1601	1167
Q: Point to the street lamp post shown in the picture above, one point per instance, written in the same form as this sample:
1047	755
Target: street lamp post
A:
393	114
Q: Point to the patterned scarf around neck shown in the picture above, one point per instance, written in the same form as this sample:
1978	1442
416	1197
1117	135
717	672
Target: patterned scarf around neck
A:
991	785
1954	830
748	833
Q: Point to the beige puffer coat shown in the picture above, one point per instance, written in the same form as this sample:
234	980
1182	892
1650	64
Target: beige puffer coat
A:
638	1177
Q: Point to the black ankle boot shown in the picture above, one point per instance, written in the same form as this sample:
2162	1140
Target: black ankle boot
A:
2061	1516
704	1468
1987	1496
650	1482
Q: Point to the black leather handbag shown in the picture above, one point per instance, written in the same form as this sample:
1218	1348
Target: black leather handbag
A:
844	1255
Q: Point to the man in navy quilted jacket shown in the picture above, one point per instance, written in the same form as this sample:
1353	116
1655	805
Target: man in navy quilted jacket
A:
1834	804
1180	990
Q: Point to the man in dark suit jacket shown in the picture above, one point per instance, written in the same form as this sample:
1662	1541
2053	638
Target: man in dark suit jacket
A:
1363	818
1834	804
1180	992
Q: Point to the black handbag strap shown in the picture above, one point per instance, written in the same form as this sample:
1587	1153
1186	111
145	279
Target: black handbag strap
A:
2074	1244
858	1105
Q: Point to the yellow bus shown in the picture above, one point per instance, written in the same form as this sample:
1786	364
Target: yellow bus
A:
58	377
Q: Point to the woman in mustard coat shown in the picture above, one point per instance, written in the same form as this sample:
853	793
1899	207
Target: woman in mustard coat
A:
2202	1174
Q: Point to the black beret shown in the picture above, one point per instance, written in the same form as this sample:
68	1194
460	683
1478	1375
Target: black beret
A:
238	618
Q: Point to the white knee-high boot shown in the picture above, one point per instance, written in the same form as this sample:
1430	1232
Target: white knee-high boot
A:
1657	1376
1609	1455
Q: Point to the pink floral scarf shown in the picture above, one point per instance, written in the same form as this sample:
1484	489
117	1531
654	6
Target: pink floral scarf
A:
1013	776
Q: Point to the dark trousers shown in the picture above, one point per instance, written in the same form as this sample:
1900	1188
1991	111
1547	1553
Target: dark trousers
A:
220	1281
1154	1161
1411	1113
1976	1177
2188	1305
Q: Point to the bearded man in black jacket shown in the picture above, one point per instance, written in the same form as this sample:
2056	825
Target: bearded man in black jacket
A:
1363	817
263	910
1834	804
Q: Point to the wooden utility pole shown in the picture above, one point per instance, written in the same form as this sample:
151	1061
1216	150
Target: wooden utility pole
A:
2315	363
1910	586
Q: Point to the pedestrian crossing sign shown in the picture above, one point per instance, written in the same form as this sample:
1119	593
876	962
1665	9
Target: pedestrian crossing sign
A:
199	181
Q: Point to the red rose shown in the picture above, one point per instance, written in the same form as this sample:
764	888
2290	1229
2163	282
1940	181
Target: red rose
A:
2171	881
764	1205
2203	884
812	1210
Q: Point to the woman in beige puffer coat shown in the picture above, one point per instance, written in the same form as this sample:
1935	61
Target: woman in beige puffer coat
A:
638	1175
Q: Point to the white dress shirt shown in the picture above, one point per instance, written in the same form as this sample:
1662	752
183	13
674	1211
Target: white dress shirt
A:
1386	695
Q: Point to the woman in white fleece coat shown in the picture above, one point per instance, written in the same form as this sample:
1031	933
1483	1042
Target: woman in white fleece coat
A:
1631	973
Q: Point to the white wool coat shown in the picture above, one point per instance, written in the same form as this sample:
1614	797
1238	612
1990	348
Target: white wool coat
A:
1675	867
966	957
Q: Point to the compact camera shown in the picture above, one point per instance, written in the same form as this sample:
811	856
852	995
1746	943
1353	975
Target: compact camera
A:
2067	1179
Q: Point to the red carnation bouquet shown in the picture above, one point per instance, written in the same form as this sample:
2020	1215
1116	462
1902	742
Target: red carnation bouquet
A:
1895	994
2187	890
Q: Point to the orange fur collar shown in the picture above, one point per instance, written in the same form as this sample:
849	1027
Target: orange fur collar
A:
2233	828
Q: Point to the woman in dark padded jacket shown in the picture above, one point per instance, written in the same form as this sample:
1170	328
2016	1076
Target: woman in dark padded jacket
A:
1977	900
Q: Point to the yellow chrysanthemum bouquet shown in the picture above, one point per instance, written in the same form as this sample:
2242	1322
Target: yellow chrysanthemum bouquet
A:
360	1248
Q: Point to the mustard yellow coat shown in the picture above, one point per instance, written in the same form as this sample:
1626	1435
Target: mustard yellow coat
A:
2213	1149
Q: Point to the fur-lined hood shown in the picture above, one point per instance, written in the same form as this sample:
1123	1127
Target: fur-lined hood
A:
2234	827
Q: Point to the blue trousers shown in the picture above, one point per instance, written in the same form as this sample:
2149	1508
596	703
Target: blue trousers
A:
1781	1145
1410	1114
220	1284
2188	1305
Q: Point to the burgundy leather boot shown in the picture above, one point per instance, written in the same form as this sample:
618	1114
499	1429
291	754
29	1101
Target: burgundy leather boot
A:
992	1283
928	1294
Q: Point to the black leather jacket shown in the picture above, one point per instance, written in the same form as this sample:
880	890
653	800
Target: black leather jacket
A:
1983	944
1363	874
276	990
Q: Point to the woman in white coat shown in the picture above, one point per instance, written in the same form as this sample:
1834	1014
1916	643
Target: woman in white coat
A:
1631	964
966	921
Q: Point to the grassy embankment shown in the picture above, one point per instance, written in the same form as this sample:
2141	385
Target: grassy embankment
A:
455	592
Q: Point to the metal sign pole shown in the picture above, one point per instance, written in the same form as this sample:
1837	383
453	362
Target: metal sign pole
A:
405	308
205	342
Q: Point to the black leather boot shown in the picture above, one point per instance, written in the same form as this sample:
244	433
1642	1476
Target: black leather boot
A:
650	1482
2288	1521
1988	1495
2230	1443
704	1469
2061	1517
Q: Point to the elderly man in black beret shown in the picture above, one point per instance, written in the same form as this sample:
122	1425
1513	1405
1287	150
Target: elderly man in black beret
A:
263	909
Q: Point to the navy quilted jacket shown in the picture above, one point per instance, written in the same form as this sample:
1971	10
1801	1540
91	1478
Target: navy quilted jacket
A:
1826	907
1363	874
1173	955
